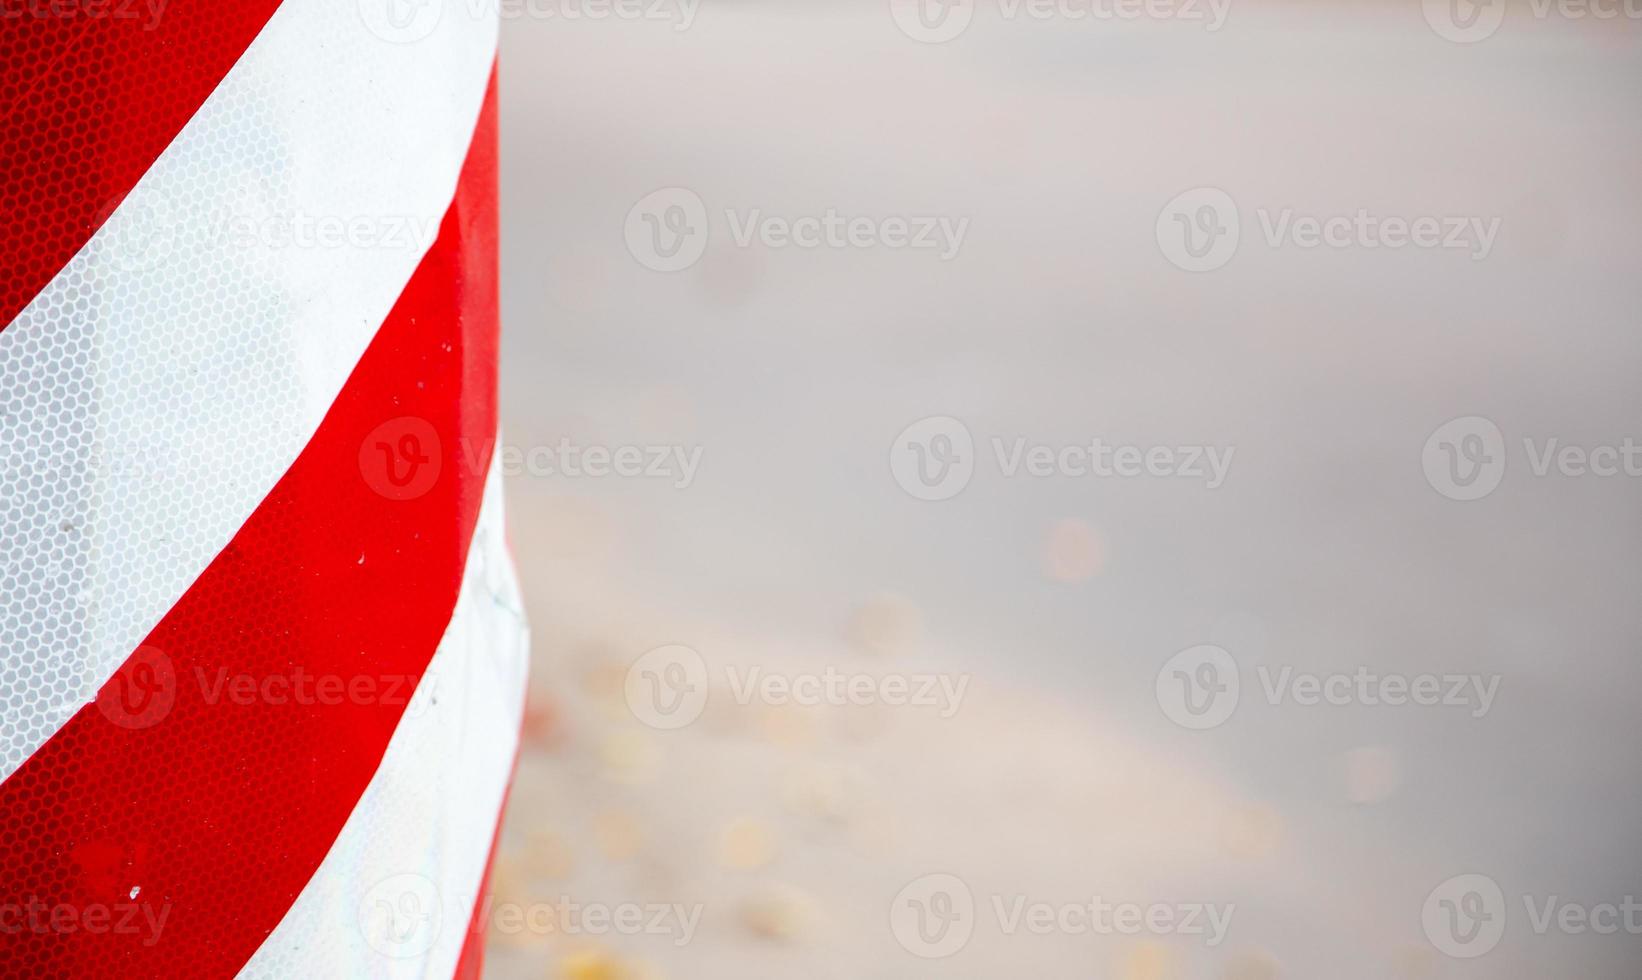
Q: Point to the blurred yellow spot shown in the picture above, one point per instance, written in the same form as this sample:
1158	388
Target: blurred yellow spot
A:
547	855
1073	552
746	844
591	964
1416	963
1252	832
887	625
606	682
507	888
630	756
788	724
782	913
1148	961
618	835
507	880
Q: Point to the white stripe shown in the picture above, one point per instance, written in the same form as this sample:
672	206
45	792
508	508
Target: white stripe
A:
161	384
396	892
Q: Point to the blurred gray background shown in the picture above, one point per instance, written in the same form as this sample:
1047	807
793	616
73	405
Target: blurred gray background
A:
1064	316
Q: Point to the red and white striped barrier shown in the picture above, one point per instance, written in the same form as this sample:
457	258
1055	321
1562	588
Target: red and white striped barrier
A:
261	651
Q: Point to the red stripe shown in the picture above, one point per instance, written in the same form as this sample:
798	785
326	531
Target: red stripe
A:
471	964
91	92
220	811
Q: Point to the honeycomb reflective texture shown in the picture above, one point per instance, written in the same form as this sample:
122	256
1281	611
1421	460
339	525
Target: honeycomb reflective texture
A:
181	423
448	764
209	814
156	388
89	96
